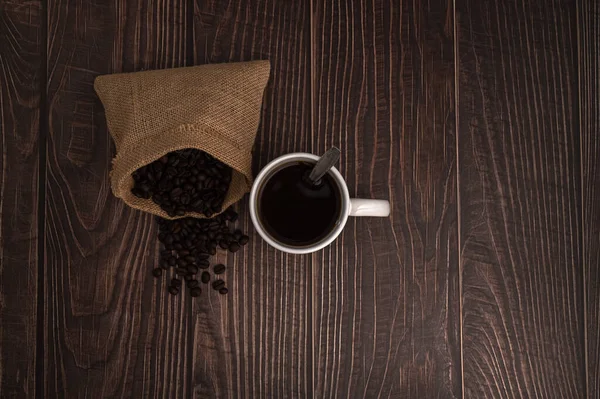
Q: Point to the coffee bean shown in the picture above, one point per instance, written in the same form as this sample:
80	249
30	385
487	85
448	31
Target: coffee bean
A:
165	253
176	283
234	247
196	291
181	262
184	252
173	290
203	264
244	240
237	235
219	269
188	277
189	258
223	244
172	261
192	283
205	277
176	192
218	284
192	269
157	272
157	199
223	291
181	271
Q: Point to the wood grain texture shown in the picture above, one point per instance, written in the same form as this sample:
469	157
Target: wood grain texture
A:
21	39
588	25
386	292
111	330
256	341
520	202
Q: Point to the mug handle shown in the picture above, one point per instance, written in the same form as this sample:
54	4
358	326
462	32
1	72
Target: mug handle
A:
369	207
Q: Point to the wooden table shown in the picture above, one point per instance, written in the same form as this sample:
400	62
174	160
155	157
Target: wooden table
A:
478	119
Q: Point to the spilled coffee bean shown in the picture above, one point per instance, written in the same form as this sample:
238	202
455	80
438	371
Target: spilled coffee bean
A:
219	269
188	245
184	181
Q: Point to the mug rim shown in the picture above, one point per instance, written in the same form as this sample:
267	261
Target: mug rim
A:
327	240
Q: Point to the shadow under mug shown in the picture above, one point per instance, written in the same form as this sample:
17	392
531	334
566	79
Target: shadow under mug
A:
350	206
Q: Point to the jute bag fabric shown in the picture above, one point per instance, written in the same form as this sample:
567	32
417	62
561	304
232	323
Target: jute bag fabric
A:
215	108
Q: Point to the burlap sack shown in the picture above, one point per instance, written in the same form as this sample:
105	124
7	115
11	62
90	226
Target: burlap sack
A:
215	108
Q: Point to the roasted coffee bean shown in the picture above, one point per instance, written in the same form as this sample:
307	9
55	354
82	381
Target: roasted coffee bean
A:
205	277
173	290
176	192
176	282
182	271
189	258
157	272
139	193
244	240
165	253
234	247
157	199
218	284
223	291
237	235
224	244
164	265
192	283
192	269
219	269
178	246
196	291
212	251
202	257
188	277
184	252
203	264
181	262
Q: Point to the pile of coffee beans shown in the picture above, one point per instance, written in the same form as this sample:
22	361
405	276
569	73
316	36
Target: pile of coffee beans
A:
188	244
184	181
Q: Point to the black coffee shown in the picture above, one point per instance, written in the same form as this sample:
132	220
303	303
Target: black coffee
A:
295	212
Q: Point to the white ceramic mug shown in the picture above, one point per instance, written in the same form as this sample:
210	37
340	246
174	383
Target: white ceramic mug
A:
350	206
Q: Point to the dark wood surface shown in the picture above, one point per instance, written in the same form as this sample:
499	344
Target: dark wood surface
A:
589	117
257	341
386	292
109	330
520	200
21	50
478	120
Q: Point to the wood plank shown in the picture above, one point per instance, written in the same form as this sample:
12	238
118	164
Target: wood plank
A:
20	82
520	203
111	329
588	25
256	341
386	292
